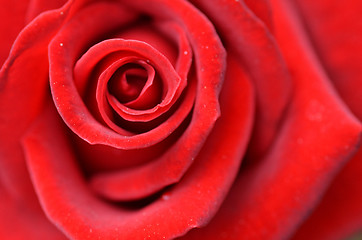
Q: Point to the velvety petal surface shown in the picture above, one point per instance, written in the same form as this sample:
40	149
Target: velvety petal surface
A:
15	16
257	50
192	202
175	161
271	198
9	29
20	103
225	119
337	43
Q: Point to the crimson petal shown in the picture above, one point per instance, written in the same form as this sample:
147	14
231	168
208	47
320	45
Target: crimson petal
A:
258	50
79	214
271	198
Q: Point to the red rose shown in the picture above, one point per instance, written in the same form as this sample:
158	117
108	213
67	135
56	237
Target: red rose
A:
158	119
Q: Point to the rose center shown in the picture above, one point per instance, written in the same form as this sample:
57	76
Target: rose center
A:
127	82
136	85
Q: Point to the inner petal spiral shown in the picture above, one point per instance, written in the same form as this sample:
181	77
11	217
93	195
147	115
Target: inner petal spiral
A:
135	86
105	58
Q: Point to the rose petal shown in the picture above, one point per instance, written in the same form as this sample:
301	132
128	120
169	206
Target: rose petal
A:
210	66
179	157
271	198
36	7
14	13
29	52
20	103
258	51
132	48
337	43
71	206
262	10
117	159
64	50
338	215
149	94
19	222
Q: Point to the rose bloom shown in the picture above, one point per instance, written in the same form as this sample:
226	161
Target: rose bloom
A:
164	119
